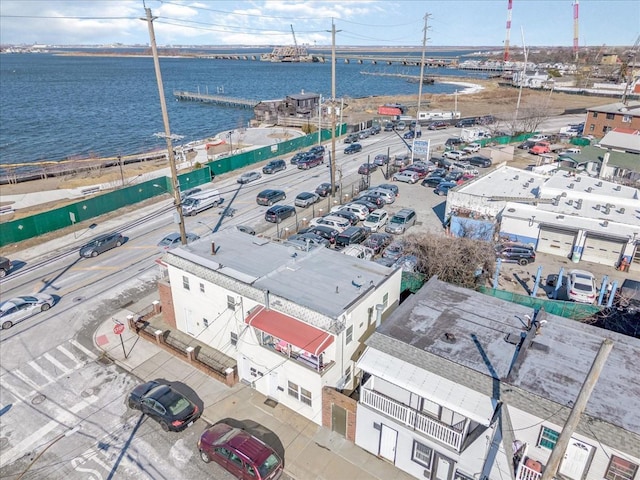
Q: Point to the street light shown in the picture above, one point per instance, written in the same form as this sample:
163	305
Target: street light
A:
230	137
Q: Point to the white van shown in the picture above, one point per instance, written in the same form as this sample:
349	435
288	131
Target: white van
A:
359	251
201	201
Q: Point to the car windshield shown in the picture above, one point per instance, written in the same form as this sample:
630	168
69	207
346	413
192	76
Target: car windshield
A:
93	243
582	286
268	465
173	401
396	219
373	218
166	241
394	248
188	201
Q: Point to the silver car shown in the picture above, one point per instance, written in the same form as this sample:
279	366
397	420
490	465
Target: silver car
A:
173	240
20	308
249	177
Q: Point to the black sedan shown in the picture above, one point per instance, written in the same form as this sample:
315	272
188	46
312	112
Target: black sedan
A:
413	133
367	168
353	148
432	181
323	231
170	408
324	189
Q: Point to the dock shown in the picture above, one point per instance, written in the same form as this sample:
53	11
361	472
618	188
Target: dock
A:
223	100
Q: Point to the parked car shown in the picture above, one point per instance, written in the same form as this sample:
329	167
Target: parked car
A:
479	161
310	160
278	213
306	199
454	176
351	138
360	211
381	159
376	200
346	214
5	266
167	406
269	197
101	244
337	223
466	122
439	172
324	231
402	160
432	181
376	220
526	145
388	127
239	453
421	171
317	149
375	129
249	177
324	189
442	162
453	142
353	148
407	176
274	166
394	250
351	236
310	238
389	186
246	229
367	168
582	286
359	251
444	187
369	205
412	134
472	148
454	155
512	252
438	126
297	157
17	309
401	221
400	126
173	240
408	263
378	241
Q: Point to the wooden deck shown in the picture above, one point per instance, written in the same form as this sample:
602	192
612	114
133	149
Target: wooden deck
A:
215	99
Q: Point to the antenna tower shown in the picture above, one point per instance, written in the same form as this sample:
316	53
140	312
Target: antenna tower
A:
505	57
576	6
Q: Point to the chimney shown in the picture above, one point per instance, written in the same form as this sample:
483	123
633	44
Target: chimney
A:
379	308
266	299
213	248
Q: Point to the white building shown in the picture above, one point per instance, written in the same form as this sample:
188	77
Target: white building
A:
572	215
460	385
293	320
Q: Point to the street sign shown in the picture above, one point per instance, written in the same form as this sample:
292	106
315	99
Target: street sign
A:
118	328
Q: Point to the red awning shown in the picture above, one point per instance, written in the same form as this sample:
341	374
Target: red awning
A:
295	332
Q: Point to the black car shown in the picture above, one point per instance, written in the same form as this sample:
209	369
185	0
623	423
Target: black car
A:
413	133
170	408
324	189
297	157
323	231
310	160
278	213
439	172
378	241
376	129
377	201
367	168
269	197
5	266
454	176
516	253
389	186
318	150
101	244
371	206
479	161
351	236
432	181
353	148
466	122
353	219
274	166
442	162
453	142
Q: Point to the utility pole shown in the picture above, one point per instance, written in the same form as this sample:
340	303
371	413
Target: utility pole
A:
424	48
333	109
576	412
167	131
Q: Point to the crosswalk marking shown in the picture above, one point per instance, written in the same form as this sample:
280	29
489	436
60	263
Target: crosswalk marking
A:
56	363
86	351
66	353
41	371
25	379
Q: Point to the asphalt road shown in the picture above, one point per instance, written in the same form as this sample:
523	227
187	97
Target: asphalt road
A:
51	379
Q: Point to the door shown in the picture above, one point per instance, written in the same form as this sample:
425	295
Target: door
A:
188	320
388	439
556	242
442	467
601	250
338	419
576	458
273	385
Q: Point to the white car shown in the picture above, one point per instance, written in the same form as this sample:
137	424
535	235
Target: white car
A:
406	176
17	309
454	155
337	223
358	251
472	148
376	220
358	210
582	286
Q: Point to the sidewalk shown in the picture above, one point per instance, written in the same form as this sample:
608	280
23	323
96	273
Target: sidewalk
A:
311	451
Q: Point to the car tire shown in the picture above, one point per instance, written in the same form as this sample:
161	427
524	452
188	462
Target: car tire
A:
524	262
94	254
118	243
270	203
3	272
204	456
45	307
6	325
164	425
131	404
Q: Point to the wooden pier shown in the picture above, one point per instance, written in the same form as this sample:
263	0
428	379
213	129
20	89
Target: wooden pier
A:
215	99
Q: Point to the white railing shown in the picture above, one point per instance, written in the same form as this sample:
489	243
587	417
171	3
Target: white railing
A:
412	418
526	473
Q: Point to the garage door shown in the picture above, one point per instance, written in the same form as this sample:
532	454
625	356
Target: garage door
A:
556	242
602	250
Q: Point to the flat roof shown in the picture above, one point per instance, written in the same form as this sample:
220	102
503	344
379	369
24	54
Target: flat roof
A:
631	108
629	142
462	334
583	186
505	182
321	279
627	160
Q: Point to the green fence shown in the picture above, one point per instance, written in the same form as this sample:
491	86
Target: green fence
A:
575	311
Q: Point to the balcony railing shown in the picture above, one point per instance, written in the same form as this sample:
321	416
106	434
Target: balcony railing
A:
526	473
420	422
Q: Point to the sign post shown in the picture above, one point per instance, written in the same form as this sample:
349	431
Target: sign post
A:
118	328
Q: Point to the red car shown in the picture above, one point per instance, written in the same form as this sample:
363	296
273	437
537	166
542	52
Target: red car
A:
421	171
240	453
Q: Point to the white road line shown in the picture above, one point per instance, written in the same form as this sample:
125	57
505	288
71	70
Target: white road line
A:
25	379
68	354
41	371
56	363
67	419
15	392
87	352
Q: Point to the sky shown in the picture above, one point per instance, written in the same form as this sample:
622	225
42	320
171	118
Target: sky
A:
386	23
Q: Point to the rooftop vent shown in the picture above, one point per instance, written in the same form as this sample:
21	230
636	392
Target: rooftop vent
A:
578	179
516	177
597	207
569	202
605	223
213	248
571	185
563	194
579	204
511	210
559	217
621	211
598	184
606	210
449	337
531	180
589	189
526	185
618	188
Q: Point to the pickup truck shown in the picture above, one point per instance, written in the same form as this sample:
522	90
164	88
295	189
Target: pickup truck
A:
540	147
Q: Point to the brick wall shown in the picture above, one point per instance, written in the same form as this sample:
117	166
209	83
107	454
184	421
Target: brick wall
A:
330	396
601	121
166	300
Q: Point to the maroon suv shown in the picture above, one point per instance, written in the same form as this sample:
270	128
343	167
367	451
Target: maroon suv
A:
240	453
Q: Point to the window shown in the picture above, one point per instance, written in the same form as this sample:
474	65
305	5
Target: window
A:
610	116
234	338
620	469
422	455
293	390
231	302
185	282
595	114
347	375
548	438
202	288
592	127
305	396
349	335
205	322
385	301
626	119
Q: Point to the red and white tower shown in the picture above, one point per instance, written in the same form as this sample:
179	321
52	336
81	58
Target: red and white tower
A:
505	57
575	30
